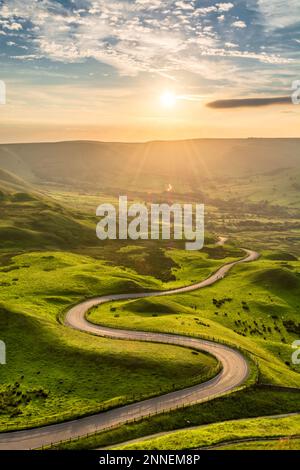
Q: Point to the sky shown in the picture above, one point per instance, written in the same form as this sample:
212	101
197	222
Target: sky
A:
136	70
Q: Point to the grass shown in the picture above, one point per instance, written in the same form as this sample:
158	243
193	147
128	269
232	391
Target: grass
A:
284	443
76	373
220	432
248	403
51	259
37	287
190	267
34	220
255	307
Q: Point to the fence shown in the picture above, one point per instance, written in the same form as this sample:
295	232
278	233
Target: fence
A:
133	412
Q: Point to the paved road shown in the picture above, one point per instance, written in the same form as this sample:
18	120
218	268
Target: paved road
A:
235	371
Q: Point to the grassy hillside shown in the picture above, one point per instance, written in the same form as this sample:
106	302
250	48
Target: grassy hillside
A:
50	259
39	219
284	443
252	402
255	307
30	220
279	187
57	373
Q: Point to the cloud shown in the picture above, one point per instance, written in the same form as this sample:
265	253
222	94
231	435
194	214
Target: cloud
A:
160	37
231	45
225	6
249	102
191	97
239	24
184	5
12	26
279	14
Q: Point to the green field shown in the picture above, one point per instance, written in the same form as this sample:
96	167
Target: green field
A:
50	259
53	372
255	307
252	402
221	432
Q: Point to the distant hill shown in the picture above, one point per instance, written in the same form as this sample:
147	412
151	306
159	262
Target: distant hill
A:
148	166
33	220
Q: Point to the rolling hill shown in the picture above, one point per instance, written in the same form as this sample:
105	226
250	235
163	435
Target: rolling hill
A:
151	165
32	220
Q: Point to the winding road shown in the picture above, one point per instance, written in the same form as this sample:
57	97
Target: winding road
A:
212	446
234	372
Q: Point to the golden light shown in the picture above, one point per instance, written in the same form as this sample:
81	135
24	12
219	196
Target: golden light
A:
168	99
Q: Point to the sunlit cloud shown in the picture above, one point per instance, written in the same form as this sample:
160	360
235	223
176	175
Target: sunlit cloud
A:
225	6
239	24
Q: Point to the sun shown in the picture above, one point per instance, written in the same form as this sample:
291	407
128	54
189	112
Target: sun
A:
168	99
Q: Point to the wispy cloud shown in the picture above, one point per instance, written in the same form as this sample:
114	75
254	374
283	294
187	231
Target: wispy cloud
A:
225	6
214	43
279	14
140	35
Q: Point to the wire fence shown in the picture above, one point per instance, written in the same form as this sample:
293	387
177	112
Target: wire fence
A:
138	419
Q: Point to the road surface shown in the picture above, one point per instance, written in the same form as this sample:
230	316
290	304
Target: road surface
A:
234	372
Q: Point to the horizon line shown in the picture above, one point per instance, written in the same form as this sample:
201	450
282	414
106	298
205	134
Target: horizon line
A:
143	142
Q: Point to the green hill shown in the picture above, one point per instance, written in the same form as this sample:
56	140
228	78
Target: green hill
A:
151	165
33	220
279	280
